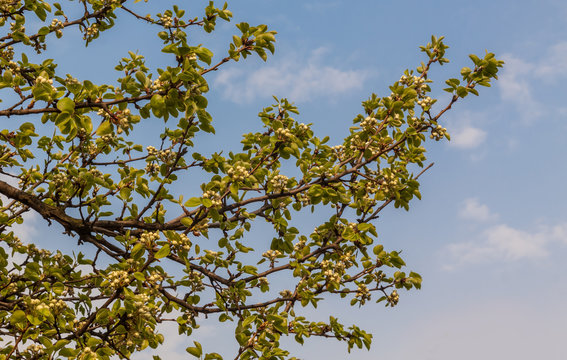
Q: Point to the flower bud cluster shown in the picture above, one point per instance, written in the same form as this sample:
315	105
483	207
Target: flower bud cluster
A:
17	27
56	305
272	254
96	173
212	253
32	250
91	31
369	123
368	199
303	128
214	197
196	281
362	293
87	353
389	183
71	80
158	84
303	198
279	183
356	143
425	103
118	278
332	276
37	305
166	21
394	298
182	243
59	179
5	5
120	118
7	53
152	168
438	132
111	2
132	336
318	170
347	259
283	134
35	349
286	293
263	281
141	308
299	245
149	238
155	278
418	81
166	155
339	150
56	24
333	270
238	173
14	66
43	80
108	139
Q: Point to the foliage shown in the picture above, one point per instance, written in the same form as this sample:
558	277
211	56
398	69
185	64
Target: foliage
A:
161	251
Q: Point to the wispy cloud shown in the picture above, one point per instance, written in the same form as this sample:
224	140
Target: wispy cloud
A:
465	132
554	65
472	209
516	83
467	137
299	79
502	242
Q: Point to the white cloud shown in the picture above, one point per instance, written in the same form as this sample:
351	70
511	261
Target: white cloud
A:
473	210
467	137
295	78
501	242
516	84
554	64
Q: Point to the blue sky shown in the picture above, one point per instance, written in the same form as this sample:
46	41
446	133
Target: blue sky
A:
490	235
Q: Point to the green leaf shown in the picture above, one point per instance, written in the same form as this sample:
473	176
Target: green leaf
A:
186	221
207	202
138	250
58	288
44	30
18	317
213	356
204	54
68	352
66	105
104	128
163	252
157	103
139	276
102	315
141	77
364	226
196	351
194	201
125	193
